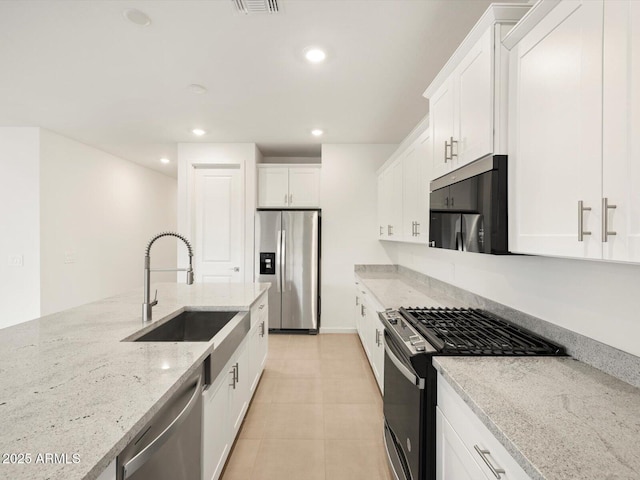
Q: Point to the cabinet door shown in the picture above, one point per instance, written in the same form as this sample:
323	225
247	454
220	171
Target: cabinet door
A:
378	349
382	206
424	153
621	129
556	133
304	187
441	119
410	187
216	435
453	460
395	202
239	393
273	187
356	310
474	91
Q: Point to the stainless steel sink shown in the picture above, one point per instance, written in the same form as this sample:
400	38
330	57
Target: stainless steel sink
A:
189	327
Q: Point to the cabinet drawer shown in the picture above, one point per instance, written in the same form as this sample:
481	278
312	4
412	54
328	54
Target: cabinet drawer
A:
476	436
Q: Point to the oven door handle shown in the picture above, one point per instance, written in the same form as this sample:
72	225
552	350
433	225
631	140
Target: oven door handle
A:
408	374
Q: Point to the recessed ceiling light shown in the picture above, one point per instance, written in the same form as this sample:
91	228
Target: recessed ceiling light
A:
198	131
197	89
137	17
316	132
165	160
315	55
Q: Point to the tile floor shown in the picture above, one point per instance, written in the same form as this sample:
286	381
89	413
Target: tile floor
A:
316	415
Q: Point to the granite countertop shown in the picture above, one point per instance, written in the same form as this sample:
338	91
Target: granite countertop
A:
69	385
560	419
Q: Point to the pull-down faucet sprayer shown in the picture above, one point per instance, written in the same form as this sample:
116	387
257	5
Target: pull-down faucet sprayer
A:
148	304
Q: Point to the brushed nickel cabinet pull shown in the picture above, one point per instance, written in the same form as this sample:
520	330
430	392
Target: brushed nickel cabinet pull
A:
483	454
453	154
285	199
605	219
446	146
581	210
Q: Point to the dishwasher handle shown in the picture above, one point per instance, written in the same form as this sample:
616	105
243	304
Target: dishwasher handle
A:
143	457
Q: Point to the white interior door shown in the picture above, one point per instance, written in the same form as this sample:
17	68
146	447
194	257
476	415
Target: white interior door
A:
219	225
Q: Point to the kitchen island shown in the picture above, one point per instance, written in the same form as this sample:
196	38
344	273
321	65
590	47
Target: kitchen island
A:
70	387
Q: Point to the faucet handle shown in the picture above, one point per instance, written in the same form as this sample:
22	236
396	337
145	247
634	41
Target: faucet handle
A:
155	299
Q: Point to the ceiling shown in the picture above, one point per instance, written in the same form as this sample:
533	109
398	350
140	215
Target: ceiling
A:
80	69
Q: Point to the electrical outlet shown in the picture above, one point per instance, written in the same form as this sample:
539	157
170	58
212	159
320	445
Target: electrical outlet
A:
70	257
16	260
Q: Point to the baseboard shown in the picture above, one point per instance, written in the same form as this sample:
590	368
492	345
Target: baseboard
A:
337	330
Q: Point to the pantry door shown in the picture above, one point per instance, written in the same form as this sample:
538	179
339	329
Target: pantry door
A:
218	225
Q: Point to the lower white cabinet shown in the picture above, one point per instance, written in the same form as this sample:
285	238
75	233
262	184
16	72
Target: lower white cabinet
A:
465	448
371	332
226	400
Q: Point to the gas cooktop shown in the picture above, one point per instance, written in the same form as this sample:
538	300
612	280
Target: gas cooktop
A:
462	331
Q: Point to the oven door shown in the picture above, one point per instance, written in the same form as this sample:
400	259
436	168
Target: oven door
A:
403	402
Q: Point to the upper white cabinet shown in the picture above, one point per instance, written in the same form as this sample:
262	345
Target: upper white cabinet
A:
574	131
621	131
403	189
468	98
288	186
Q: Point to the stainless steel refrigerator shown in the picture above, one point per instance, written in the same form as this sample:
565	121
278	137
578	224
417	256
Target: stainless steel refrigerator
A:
287	256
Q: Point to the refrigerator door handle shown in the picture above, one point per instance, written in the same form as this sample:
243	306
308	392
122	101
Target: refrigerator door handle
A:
283	261
278	260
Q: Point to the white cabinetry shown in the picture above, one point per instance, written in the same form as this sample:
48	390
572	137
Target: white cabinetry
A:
465	448
259	341
371	331
288	186
109	473
468	98
574	125
226	400
403	189
621	132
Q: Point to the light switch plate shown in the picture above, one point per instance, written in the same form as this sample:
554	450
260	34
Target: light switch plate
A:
15	260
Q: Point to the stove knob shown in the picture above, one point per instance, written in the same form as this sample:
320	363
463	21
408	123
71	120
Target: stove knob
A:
393	320
420	348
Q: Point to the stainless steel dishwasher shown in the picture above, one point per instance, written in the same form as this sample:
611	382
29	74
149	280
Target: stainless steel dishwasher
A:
169	446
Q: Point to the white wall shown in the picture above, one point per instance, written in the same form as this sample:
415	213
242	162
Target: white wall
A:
99	211
312	160
598	299
19	224
349	224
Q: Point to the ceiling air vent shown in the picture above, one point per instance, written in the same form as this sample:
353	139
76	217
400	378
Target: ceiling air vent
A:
257	6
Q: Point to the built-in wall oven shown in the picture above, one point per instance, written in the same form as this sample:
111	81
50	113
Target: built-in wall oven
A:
412	337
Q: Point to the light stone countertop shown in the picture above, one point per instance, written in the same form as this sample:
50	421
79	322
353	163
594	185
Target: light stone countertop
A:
68	384
560	419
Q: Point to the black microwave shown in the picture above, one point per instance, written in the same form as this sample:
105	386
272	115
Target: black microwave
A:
468	208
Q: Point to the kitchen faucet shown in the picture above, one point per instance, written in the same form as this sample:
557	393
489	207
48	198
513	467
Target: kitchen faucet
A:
148	304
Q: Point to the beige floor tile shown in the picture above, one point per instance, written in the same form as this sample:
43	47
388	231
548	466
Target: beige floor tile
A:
356	460
298	390
349	390
241	460
353	421
299	367
332	368
294	421
290	460
266	389
255	421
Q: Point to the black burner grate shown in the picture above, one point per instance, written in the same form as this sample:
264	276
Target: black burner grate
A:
475	332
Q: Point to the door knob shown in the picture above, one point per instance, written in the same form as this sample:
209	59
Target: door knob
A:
235	269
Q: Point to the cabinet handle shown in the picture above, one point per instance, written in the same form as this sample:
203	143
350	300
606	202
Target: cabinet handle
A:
290	198
261	307
581	210
381	230
605	219
237	372
446	201
357	301
362	310
446	146
389	230
233	376
262	329
453	154
285	199
417	229
483	454
452	198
